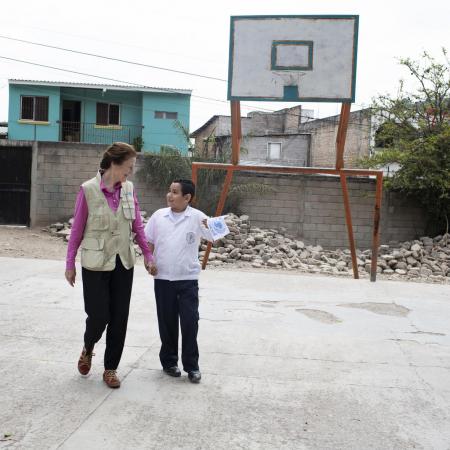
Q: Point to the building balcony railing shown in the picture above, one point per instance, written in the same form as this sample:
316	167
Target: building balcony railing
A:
92	133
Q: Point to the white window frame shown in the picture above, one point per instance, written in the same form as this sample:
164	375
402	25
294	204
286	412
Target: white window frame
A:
164	115
268	151
34	108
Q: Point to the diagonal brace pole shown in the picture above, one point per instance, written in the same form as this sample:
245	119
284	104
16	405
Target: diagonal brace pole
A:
220	206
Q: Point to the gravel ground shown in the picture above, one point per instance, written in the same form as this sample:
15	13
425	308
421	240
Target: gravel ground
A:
22	242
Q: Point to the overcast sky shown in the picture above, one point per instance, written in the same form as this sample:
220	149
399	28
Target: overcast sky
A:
194	37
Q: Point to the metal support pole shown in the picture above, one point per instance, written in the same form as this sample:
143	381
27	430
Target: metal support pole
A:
348	220
220	206
376	226
236	136
342	134
194	175
340	147
236	132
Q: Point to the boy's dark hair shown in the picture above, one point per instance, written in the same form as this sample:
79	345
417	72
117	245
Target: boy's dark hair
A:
187	187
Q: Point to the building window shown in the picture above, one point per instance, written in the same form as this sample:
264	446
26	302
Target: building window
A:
274	150
166	115
108	114
34	108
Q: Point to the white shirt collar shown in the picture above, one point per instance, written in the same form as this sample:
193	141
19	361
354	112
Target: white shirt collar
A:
186	213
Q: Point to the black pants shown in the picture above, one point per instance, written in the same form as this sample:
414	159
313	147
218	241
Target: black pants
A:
107	303
178	300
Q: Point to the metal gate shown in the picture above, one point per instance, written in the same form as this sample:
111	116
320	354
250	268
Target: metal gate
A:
15	185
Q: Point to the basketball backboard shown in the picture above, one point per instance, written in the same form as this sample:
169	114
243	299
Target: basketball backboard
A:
293	58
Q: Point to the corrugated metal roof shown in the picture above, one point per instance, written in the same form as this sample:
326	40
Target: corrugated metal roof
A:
117	87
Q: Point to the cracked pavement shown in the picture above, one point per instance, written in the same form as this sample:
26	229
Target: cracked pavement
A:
289	361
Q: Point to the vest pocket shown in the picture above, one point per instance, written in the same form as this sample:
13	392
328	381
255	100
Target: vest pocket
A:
92	254
129	212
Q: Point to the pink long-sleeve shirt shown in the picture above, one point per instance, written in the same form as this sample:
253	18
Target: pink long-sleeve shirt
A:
80	219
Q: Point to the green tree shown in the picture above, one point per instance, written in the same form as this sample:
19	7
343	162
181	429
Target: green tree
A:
415	135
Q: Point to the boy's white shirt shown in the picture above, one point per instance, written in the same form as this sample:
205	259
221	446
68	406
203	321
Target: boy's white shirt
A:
176	242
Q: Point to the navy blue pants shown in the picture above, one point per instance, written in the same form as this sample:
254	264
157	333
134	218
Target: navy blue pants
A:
107	303
177	305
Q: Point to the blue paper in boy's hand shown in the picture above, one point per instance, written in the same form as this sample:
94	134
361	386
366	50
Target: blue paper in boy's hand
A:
218	227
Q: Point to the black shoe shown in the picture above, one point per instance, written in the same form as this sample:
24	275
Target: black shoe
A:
195	376
173	371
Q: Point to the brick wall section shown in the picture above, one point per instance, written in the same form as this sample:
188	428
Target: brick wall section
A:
295	149
310	207
323	139
264	123
322	145
292	119
62	168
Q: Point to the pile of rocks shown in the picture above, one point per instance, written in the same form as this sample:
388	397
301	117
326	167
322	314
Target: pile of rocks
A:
250	246
60	229
246	246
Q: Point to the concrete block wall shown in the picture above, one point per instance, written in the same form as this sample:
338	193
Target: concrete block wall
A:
324	219
281	207
59	170
310	207
292	119
295	149
150	197
401	217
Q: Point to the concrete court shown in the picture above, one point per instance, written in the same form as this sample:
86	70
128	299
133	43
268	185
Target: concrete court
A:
289	362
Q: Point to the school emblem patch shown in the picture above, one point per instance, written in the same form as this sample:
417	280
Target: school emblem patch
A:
190	237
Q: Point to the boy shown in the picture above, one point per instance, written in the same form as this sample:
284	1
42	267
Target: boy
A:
174	235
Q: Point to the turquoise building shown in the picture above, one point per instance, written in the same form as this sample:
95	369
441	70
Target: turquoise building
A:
99	114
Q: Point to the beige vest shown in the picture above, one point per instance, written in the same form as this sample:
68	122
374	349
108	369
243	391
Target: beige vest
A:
108	234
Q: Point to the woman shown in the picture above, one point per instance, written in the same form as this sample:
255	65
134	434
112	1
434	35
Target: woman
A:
106	216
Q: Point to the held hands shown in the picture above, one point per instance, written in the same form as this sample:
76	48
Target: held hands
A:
70	276
150	267
72	273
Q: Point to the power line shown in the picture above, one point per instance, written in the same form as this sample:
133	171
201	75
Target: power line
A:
129	62
163	90
110	42
135	63
137	85
76	72
144	65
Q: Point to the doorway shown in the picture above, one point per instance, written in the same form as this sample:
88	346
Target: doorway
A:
71	121
15	185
